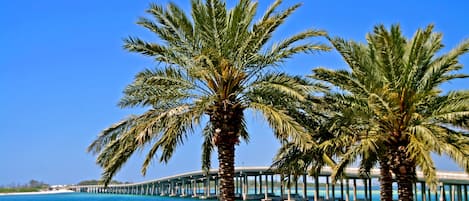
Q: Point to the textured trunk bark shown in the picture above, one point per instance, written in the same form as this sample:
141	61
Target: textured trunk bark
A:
385	181
226	152
405	187
404	169
226	119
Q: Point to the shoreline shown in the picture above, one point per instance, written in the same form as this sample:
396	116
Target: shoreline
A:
38	193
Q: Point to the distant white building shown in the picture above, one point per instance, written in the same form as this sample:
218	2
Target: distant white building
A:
57	187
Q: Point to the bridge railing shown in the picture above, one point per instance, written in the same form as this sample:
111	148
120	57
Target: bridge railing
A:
264	182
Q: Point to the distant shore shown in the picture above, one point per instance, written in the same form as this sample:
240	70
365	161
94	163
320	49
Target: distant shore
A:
39	192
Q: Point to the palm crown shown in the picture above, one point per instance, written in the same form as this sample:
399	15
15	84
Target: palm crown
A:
216	63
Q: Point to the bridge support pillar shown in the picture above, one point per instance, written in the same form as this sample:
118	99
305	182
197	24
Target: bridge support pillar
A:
194	191
266	198
465	192
452	191
316	187
289	188
255	184
282	186
327	188
347	191
333	190
370	190
366	189
423	189
236	185
341	188
442	192
217	186
183	187
305	187
244	186
271	183
207	186
260	183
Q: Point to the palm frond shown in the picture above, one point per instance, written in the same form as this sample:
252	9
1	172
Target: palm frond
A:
110	134
207	147
284	126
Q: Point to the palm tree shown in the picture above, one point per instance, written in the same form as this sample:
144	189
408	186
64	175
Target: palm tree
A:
357	137
336	125
397	80
292	161
214	65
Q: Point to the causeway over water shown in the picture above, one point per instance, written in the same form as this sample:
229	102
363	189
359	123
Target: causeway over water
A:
264	183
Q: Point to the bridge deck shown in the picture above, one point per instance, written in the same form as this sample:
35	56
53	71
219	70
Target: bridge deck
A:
253	183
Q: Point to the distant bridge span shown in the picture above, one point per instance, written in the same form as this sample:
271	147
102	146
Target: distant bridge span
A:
256	183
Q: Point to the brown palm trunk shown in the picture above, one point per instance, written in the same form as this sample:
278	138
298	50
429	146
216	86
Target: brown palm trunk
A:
405	187
226	153
226	119
404	169
385	181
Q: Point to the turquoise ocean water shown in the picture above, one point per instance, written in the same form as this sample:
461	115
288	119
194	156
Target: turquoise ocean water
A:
114	197
100	197
88	197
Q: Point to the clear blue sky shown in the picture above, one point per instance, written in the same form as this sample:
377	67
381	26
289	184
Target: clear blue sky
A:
63	69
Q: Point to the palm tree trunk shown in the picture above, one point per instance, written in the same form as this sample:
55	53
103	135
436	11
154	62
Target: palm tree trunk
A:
289	187
226	119
405	187
404	170
385	181
226	152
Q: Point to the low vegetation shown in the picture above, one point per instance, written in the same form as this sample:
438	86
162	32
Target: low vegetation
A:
31	186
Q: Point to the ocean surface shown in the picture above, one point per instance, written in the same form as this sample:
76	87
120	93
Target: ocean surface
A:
113	197
88	197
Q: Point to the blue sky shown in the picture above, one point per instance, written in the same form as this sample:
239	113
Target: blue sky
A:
63	69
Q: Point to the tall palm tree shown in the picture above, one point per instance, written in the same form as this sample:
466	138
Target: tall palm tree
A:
399	80
356	136
294	161
214	65
336	125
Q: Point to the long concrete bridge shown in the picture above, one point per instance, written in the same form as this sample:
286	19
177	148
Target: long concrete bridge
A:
256	183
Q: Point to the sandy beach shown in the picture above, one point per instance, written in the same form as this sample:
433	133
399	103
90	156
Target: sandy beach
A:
39	193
